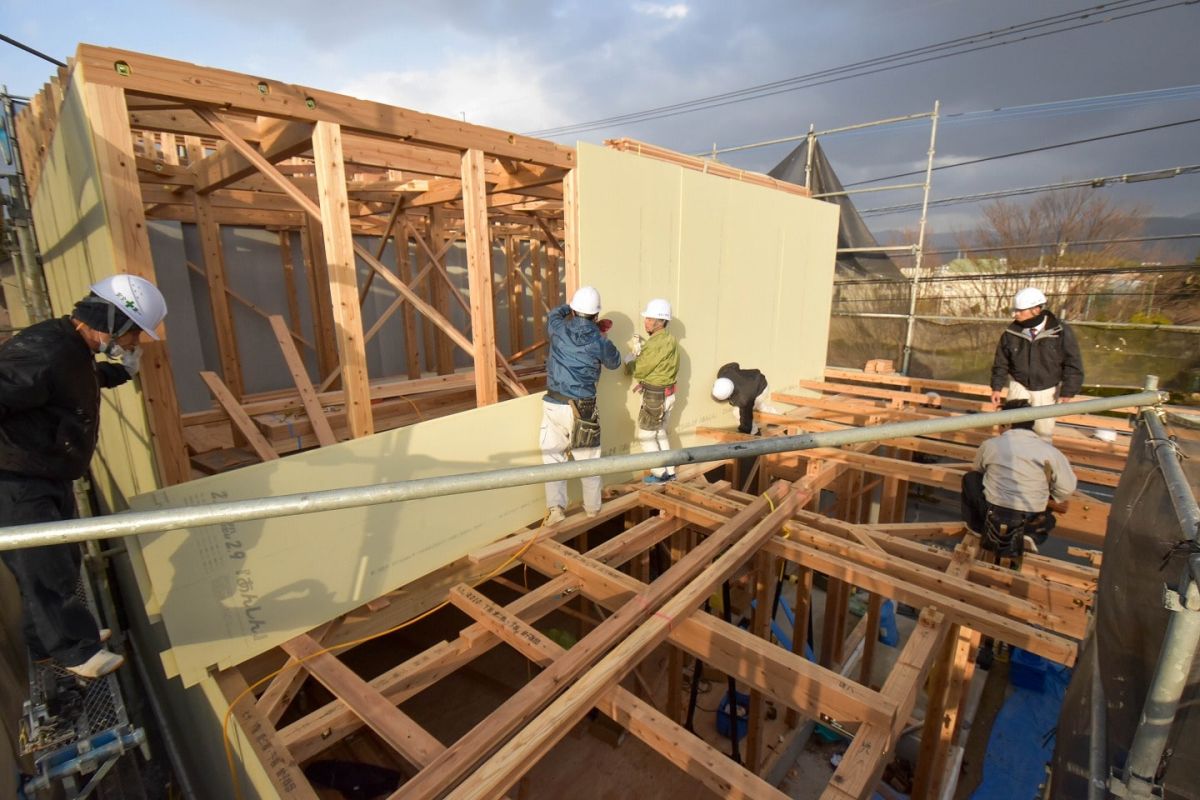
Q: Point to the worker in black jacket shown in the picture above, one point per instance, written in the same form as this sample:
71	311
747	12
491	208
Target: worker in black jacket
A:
50	386
1037	358
744	389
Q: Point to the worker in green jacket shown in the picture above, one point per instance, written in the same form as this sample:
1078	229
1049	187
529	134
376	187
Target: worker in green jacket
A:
654	362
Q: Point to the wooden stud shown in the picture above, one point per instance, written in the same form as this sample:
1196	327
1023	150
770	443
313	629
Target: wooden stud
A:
412	345
571	238
239	417
479	278
308	395
343	285
118	185
214	271
287	260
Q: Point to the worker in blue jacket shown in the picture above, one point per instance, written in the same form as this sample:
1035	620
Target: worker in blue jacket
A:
579	346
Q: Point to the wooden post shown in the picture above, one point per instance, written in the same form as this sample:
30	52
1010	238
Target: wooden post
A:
439	297
760	626
804	585
317	275
214	272
118	185
287	259
571	233
871	640
537	266
412	351
343	282
516	292
479	277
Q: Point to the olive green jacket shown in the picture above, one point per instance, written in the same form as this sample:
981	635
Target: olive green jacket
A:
658	363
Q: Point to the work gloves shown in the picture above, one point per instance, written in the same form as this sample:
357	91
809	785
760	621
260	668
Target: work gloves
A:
131	360
604	325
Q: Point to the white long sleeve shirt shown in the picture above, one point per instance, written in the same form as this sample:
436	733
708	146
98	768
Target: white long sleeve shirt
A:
1022	471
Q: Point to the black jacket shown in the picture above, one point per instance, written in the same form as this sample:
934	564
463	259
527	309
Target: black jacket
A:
748	384
1042	362
50	386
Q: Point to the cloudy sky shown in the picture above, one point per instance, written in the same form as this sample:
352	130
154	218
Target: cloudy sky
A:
531	65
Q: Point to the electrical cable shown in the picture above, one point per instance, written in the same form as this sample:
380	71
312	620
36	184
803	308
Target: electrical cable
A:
857	69
1028	151
29	49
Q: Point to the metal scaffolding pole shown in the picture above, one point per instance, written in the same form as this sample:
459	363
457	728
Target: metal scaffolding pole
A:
918	253
332	499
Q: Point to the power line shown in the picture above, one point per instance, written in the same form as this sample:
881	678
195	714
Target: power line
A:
964	44
29	49
1030	151
1131	177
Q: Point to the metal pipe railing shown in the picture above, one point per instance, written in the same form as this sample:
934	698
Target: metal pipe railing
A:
1182	638
129	523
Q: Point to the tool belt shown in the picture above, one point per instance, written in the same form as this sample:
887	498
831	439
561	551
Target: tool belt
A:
654	407
585	433
1005	529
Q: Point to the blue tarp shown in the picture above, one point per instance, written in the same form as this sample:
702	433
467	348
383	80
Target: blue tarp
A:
1022	740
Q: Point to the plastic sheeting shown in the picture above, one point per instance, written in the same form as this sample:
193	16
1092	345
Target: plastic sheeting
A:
852	231
1130	623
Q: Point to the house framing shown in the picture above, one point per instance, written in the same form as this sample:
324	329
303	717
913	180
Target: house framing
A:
174	141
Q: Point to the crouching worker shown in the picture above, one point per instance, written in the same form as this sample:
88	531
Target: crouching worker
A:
570	420
744	389
1018	482
655	366
50	386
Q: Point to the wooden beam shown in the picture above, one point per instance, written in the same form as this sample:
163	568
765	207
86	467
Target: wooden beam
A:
178	80
398	730
239	417
308	395
479	277
537	738
118	186
688	752
280	766
218	286
462	756
343	280
317	274
278	139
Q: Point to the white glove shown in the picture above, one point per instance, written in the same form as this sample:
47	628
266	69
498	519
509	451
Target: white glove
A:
630	358
635	346
131	360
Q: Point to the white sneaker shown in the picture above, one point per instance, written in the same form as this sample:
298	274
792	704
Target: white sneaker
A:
105	635
553	516
592	514
99	665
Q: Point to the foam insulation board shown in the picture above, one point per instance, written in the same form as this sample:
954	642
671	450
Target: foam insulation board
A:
748	271
230	592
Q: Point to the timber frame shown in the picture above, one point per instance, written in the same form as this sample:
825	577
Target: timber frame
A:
635	580
213	148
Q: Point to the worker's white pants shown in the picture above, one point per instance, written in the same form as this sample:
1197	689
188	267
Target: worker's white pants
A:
760	404
1042	397
555	440
655	440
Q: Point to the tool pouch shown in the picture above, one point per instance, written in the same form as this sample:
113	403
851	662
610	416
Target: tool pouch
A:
585	433
654	407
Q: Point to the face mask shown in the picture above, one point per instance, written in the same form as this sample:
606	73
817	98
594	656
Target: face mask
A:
113	350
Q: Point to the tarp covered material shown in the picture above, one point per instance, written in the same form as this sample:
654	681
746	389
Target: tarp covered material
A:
852	231
1130	624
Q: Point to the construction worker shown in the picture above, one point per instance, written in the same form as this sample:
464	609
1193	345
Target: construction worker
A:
579	345
50	387
1019	480
654	362
744	389
1037	358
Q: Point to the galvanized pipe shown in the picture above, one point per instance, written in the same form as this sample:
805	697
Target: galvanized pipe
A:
1182	637
129	523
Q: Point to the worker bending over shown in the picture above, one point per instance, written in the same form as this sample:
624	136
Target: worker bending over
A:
1018	481
570	420
744	389
50	386
1037	358
655	365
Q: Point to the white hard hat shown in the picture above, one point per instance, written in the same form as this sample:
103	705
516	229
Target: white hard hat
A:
658	308
586	300
722	389
136	298
1028	297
